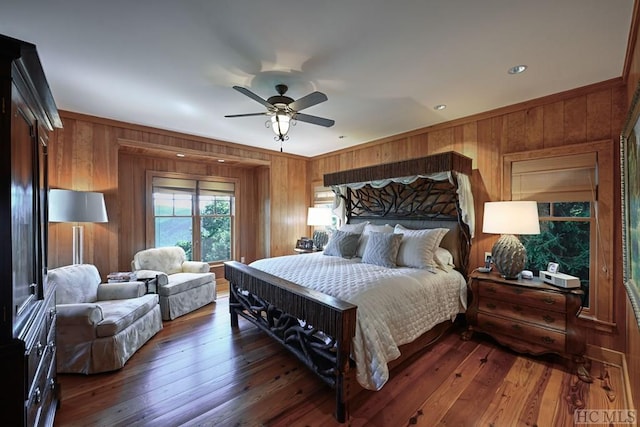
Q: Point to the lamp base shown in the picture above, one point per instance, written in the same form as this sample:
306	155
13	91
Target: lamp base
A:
509	256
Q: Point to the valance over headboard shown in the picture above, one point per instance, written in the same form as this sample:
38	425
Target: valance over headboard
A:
442	162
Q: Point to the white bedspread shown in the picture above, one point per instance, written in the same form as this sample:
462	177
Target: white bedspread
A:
395	305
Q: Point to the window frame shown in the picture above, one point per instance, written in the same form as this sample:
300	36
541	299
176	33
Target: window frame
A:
600	315
195	217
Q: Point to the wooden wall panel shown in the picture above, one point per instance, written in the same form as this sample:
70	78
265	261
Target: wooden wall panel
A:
557	121
632	333
87	155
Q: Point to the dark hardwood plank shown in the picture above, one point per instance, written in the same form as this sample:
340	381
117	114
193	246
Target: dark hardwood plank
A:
198	371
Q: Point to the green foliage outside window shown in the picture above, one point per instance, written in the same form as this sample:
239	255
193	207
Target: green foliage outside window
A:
564	238
214	214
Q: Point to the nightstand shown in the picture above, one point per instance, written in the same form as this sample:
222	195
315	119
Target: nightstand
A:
306	251
528	316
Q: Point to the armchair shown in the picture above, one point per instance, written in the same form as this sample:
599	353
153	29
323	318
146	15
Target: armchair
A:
183	286
100	326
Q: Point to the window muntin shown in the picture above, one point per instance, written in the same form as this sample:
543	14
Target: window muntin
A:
197	215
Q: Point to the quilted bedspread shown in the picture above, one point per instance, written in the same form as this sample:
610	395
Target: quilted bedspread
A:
395	305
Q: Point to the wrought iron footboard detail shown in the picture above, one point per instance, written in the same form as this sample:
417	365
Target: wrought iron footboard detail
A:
322	340
313	347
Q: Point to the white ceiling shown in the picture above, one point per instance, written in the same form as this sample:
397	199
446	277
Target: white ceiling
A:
384	65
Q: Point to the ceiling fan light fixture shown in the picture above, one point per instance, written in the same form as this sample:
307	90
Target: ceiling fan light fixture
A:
280	123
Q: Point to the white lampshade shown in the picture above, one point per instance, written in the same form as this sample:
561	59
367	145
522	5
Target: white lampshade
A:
511	217
280	124
319	216
508	218
76	206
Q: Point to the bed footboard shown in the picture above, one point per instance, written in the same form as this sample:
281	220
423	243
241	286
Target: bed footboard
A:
316	328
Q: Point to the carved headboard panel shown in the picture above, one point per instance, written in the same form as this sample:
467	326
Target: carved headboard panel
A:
424	203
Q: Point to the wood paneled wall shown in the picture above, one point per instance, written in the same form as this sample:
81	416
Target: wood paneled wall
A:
561	121
632	344
95	154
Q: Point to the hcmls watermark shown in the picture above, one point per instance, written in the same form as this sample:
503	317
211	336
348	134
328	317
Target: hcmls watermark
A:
606	416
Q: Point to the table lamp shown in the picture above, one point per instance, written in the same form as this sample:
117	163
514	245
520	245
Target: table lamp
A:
319	217
509	218
76	206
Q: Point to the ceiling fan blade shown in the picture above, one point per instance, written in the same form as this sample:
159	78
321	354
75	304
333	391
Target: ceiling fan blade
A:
248	114
314	120
253	96
308	101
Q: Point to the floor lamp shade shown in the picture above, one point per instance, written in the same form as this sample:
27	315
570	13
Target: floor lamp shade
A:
76	207
508	219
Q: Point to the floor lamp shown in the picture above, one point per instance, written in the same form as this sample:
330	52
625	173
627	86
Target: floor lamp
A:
76	207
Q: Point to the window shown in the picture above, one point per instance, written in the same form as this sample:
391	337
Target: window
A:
565	237
195	214
565	189
596	163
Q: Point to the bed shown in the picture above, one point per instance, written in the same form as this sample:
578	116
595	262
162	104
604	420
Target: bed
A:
351	319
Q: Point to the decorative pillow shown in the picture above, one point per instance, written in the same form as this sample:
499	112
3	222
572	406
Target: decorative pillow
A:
419	246
382	249
354	228
444	259
368	229
342	244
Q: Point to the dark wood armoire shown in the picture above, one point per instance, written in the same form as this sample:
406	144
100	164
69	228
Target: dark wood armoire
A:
29	391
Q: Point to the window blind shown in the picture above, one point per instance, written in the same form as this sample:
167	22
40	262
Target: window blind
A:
559	179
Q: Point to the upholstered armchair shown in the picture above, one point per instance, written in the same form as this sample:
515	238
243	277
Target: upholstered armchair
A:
100	326
183	286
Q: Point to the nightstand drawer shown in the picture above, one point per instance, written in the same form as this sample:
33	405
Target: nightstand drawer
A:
525	313
552	340
546	300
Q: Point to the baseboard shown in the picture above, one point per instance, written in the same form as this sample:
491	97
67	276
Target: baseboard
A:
618	359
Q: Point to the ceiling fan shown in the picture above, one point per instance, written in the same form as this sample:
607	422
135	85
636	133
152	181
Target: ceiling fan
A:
285	111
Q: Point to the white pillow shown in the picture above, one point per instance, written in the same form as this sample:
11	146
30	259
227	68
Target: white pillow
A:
419	246
354	228
364	238
444	259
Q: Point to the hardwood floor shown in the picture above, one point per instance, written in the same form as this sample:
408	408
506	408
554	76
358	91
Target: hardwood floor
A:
199	372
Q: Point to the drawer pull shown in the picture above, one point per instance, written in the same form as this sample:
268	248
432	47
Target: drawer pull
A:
491	306
517	327
37	396
517	308
548	318
549	300
52	384
491	290
518	291
548	340
39	349
52	313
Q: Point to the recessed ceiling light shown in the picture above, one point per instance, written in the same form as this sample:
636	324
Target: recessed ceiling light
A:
440	107
517	69
179	155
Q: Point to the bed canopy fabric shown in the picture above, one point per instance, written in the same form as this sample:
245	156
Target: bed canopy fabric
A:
465	196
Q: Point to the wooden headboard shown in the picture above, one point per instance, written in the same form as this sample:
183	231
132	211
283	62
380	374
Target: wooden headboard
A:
424	203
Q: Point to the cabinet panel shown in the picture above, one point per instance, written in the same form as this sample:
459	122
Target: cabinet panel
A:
29	393
522	312
515	294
